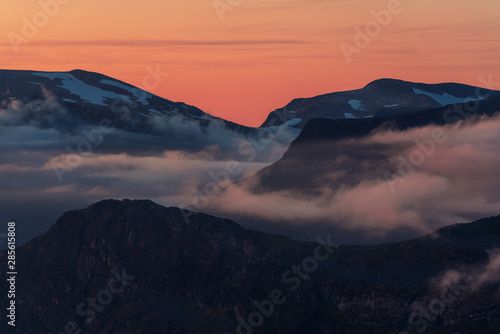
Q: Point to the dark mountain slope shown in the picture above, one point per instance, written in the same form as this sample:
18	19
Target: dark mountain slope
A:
193	273
314	154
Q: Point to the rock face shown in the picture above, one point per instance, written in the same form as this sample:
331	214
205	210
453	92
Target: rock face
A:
137	267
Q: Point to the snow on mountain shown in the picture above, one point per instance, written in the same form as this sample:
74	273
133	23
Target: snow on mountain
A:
378	97
293	122
356	104
77	89
68	101
84	91
446	98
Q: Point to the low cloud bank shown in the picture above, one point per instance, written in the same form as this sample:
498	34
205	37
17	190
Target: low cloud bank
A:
420	179
475	278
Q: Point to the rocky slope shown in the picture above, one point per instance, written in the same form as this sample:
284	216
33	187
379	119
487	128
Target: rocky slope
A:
184	272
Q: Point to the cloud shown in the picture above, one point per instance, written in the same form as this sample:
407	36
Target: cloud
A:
381	183
42	113
50	163
172	175
368	209
45	124
166	43
387	186
171	178
477	277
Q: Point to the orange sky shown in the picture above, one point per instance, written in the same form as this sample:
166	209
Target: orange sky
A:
263	53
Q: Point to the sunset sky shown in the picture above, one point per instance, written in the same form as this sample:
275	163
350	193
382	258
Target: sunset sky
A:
257	55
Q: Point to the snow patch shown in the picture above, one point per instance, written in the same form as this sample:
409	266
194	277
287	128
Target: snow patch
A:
349	115
140	113
445	98
140	94
287	126
357	105
391	105
117	84
194	116
156	112
292	122
86	92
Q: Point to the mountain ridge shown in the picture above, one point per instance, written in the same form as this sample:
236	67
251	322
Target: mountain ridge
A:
379	96
203	274
334	130
66	101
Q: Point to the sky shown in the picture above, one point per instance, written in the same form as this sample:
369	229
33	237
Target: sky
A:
241	59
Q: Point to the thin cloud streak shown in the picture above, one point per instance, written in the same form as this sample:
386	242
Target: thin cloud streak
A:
160	43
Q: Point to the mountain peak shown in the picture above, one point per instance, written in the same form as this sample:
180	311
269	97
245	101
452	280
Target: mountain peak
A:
138	216
380	97
202	277
77	70
386	83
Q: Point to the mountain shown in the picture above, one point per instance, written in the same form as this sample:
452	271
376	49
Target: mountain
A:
137	267
144	122
72	138
375	180
315	152
90	90
383	96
